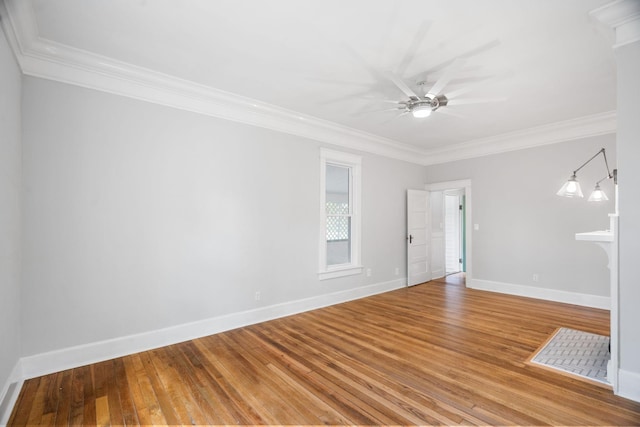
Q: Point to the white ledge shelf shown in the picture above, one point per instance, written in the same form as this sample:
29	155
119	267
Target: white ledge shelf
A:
596	236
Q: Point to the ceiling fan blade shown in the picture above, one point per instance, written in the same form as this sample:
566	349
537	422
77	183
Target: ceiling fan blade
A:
480	49
378	76
479	82
446	77
467	101
363	113
449	113
455	93
465	55
403	86
413	48
384	101
404	113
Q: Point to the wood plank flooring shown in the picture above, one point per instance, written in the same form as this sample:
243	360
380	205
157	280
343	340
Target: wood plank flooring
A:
433	354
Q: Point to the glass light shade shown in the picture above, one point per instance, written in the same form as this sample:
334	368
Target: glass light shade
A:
598	195
571	188
421	110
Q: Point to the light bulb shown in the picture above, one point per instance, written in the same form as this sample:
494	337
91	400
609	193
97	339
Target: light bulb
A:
571	188
598	195
421	110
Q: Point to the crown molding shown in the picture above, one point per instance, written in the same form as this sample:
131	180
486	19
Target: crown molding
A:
568	130
43	58
623	16
39	57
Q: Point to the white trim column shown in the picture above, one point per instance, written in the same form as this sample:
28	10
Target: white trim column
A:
622	17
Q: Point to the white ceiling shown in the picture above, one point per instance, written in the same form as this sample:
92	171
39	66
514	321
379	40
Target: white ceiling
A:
544	61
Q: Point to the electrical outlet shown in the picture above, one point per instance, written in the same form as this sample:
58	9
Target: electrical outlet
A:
536	277
397	271
368	272
257	296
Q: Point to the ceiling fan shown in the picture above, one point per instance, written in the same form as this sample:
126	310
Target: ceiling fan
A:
427	97
421	106
430	98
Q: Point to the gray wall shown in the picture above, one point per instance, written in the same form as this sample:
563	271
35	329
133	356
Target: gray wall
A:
139	217
525	228
10	211
628	61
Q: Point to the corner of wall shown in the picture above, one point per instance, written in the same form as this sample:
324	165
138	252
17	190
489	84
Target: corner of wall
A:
10	392
629	385
548	294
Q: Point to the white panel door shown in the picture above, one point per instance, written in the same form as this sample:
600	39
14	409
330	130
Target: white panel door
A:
436	233
417	242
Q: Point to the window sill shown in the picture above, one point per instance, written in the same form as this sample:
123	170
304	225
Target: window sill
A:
340	271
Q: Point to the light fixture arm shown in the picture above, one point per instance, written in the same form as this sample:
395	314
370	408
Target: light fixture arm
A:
613	174
609	174
572	187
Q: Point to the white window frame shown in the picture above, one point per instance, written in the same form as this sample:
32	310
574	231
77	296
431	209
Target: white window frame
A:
354	163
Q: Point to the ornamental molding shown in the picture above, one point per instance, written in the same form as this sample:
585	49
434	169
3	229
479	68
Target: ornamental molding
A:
47	59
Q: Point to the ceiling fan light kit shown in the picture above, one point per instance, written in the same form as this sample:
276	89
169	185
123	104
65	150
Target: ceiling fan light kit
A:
421	110
422	107
423	98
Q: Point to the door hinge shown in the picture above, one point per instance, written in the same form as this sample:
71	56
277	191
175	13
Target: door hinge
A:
460	207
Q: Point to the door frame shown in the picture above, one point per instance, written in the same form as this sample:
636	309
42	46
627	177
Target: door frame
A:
466	184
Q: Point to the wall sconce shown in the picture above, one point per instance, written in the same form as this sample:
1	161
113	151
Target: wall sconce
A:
571	188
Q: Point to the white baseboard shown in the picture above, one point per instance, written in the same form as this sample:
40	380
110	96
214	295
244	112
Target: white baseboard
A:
629	385
67	358
46	363
9	393
586	300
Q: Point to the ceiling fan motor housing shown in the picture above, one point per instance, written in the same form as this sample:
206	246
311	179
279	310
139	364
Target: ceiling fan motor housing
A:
439	101
432	102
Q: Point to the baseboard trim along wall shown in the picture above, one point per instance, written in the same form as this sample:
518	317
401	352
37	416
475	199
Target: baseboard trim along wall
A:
9	393
59	360
67	358
586	300
629	385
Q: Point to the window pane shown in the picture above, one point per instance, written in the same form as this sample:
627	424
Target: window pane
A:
337	190
338	228
336	208
338	215
339	242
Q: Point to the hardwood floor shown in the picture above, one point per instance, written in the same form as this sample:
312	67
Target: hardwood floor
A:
435	354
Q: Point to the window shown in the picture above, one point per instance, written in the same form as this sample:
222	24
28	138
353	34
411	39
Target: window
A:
339	214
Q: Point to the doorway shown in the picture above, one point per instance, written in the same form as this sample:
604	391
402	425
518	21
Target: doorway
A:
454	231
426	234
455	245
